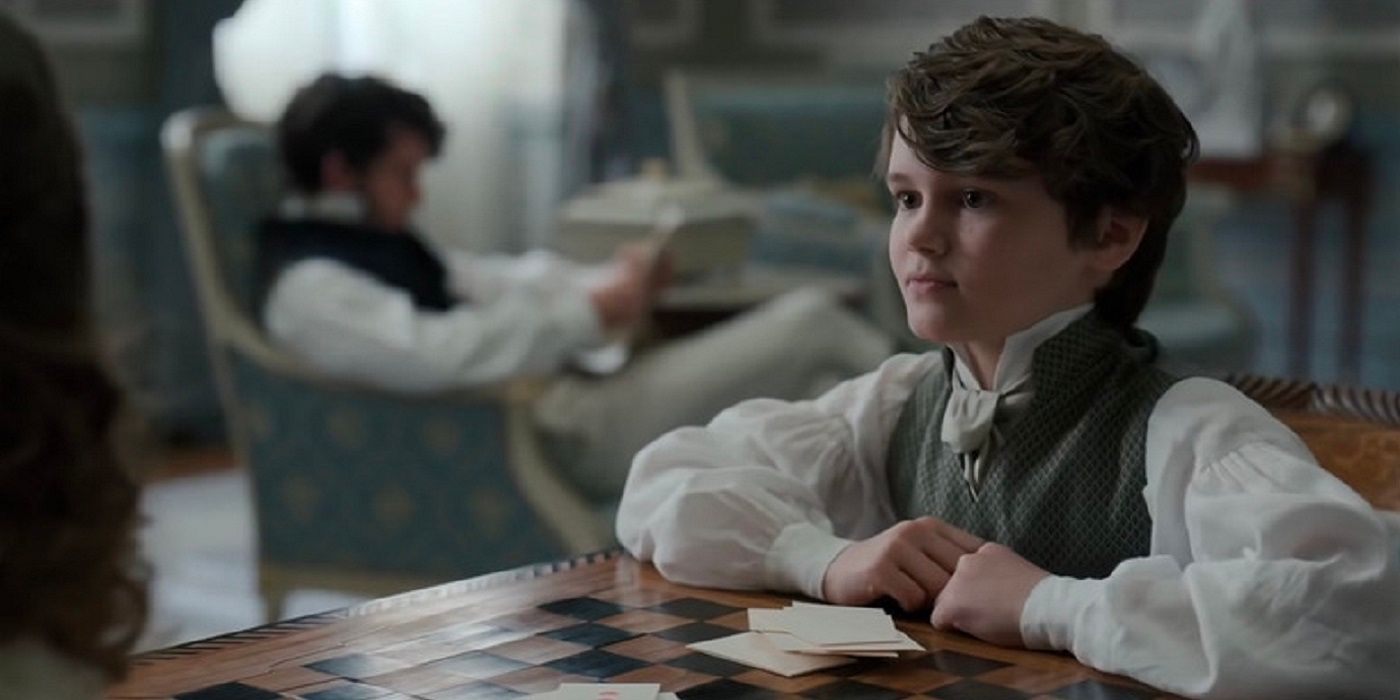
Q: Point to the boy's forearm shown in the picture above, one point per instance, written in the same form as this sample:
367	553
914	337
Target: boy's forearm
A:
1220	630
799	558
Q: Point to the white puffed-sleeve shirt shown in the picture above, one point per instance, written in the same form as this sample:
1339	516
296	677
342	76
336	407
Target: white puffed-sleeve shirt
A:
521	316
1267	577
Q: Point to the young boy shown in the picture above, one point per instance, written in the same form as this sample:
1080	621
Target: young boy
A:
1040	482
348	285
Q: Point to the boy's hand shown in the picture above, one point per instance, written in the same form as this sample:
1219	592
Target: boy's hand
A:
652	260
986	594
624	297
910	562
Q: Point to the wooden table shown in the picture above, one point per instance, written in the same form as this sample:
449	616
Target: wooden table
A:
599	617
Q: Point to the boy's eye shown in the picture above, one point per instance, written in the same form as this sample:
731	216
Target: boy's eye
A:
975	199
906	200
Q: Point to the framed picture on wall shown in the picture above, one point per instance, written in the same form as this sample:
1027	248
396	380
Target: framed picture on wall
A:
88	22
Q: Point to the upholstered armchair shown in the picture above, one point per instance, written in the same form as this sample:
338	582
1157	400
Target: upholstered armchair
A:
355	488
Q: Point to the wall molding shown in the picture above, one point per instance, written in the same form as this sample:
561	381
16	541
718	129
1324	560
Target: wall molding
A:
102	23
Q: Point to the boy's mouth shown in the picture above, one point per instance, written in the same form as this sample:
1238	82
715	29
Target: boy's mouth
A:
927	283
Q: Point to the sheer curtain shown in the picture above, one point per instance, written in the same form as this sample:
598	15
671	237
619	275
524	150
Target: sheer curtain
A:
514	81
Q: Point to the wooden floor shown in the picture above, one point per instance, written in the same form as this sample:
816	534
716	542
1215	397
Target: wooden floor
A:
199	538
175	463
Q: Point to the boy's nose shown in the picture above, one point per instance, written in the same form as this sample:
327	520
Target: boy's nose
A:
929	234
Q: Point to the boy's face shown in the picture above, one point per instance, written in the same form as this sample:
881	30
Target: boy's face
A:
980	258
389	183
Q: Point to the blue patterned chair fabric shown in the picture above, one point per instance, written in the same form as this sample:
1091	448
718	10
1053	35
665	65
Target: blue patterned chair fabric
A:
347	479
807	131
355	480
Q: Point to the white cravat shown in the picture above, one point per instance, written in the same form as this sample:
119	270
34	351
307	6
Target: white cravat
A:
971	419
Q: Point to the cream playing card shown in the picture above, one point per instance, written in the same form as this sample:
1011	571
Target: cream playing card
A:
837	626
906	643
880	650
858	609
765	619
755	649
605	691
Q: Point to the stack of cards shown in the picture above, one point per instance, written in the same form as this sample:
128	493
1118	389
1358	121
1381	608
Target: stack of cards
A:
607	691
807	637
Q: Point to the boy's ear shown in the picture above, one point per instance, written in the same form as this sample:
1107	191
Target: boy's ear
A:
1119	233
336	173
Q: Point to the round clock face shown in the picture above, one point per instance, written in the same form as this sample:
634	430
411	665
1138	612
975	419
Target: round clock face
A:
1326	112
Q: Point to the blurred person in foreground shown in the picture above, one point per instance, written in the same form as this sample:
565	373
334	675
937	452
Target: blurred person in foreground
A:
72	590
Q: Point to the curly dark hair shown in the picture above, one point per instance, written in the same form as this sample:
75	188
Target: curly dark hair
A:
1014	97
72	578
352	116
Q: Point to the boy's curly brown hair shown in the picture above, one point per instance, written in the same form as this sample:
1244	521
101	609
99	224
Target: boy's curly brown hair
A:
1014	97
70	575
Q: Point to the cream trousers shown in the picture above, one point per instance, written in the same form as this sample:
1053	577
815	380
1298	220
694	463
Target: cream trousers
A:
793	347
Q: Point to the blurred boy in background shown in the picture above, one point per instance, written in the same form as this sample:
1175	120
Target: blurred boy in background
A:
349	286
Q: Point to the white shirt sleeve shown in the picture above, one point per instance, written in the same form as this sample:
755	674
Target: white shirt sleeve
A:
1268	577
352	326
769	492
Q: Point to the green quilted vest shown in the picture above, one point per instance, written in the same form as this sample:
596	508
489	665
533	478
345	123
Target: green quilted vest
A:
1064	487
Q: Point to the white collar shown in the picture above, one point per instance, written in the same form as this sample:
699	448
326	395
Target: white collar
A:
1014	365
338	206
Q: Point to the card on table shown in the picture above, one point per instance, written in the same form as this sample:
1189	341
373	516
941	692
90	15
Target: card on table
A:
755	649
607	691
828	624
882	650
808	637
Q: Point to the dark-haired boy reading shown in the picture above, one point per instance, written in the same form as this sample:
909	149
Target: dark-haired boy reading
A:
348	284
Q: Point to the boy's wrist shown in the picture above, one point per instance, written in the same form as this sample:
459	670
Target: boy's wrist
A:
1053	609
798	559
